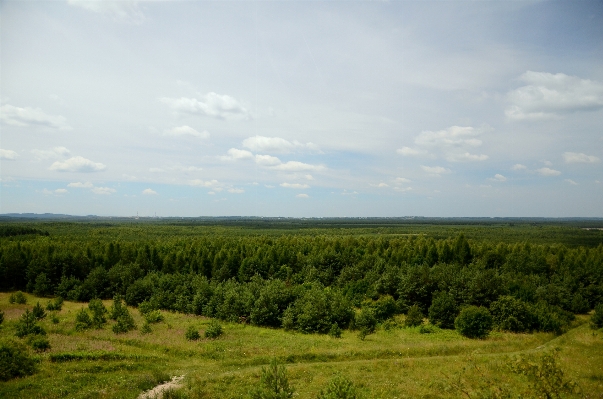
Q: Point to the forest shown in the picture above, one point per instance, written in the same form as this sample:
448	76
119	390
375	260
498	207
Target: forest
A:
316	277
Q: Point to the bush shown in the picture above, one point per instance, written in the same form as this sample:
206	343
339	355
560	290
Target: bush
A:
339	388
384	308
365	322
443	310
125	322
117	309
154	316
274	383
192	334
414	317
511	314
549	318
145	307
335	331
38	311
427	329
54	319
146	328
474	322
55	305
1	317
214	330
98	313
17	297
14	360
82	320
596	320
27	325
40	344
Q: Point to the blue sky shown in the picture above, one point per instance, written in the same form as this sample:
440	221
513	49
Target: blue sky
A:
183	108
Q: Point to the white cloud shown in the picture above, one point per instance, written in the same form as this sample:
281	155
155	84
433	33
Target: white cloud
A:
575	157
236	190
81	185
187	131
295	166
382	185
302	196
498	177
267	160
548	172
402	189
26	117
435	170
294	185
466	157
212	104
570	181
407	151
204	183
548	95
156	170
519	166
235	154
60	191
403	180
103	190
77	164
148	191
53	153
276	145
8	155
451	137
122	10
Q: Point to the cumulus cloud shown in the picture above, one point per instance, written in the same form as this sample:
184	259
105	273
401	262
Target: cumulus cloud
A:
124	10
575	157
149	191
402	189
570	181
498	177
267	160
212	105
81	185
382	185
77	164
8	155
295	166
276	145
53	153
548	172
452	136
103	190
435	170
204	183
294	185
183	131
235	154
60	191
407	151
519	166
466	157
26	117
302	196
403	180
548	95
236	190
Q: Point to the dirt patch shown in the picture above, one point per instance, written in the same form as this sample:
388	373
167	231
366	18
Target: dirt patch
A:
157	392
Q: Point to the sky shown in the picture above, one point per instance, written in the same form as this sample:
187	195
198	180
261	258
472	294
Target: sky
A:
302	108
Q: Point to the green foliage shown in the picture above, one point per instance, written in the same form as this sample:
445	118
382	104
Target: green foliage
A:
26	325
38	311
213	330
145	307
335	331
192	334
339	387
443	310
15	361
511	314
274	383
146	328
474	322
384	308
54	319
427	329
545	375
118	308
414	317
55	305
550	318
125	322
366	322
596	320
99	311
154	316
43	285
1	317
17	297
82	320
39	343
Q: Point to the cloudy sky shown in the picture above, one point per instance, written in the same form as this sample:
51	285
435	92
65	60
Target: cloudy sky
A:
182	108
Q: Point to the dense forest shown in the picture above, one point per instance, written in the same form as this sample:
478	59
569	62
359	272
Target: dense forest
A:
314	279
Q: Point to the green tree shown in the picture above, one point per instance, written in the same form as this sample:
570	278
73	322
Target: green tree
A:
414	317
26	325
596	320
82	320
38	311
98	313
474	322
339	387
443	310
14	360
274	383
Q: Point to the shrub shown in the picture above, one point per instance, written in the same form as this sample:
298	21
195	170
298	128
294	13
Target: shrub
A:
43	285
596	320
192	334
443	310
154	316
38	311
98	313
18	298
54	319
146	328
145	307
117	309
27	325
1	317
474	322
214	330
40	344
365	322
427	329
414	317
125	322
14	360
82	320
274	383
511	314
549	318
335	331
55	305
339	387
384	308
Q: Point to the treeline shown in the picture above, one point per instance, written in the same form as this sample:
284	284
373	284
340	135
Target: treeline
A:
316	283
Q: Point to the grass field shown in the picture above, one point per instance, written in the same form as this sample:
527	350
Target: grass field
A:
399	363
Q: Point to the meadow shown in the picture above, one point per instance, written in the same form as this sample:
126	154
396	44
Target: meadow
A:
392	360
